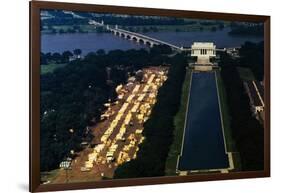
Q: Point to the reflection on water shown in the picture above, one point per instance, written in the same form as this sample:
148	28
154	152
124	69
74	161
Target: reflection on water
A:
203	146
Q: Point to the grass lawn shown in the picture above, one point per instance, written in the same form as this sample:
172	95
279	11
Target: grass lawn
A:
179	120
230	143
237	161
50	175
245	73
51	67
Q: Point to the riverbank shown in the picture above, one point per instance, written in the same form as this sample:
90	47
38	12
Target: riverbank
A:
70	29
174	28
88	28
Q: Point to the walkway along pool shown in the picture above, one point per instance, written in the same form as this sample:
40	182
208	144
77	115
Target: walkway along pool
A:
203	145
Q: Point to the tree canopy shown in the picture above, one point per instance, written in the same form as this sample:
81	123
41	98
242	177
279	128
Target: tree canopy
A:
252	56
72	97
247	131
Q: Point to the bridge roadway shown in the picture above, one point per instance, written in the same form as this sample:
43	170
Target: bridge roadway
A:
147	38
136	36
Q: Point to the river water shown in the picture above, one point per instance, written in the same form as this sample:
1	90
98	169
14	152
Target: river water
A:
91	42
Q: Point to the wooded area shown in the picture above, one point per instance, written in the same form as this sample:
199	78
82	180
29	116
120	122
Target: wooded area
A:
247	131
255	29
72	97
252	56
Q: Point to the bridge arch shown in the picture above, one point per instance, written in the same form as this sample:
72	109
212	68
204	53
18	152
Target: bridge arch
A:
134	38
141	41
148	43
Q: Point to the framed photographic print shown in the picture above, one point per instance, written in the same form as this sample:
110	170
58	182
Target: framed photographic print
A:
123	96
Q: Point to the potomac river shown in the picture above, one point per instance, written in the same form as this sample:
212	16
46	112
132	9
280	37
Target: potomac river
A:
91	42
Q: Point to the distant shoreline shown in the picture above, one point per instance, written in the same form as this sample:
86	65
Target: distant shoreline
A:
87	28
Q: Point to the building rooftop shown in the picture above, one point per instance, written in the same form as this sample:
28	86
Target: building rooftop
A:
209	45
